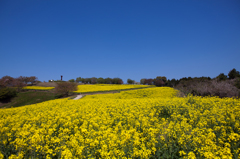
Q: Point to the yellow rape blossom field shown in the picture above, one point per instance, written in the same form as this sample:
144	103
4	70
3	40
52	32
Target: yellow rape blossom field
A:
106	87
143	123
38	88
93	88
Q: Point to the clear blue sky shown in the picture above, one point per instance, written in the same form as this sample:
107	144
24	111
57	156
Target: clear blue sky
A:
119	38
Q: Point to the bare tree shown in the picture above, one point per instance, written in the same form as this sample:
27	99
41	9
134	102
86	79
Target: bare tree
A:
6	81
32	79
64	88
18	83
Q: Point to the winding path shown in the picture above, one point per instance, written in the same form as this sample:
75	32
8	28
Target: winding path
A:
78	97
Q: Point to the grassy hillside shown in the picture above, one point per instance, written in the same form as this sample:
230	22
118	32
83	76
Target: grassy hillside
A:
27	98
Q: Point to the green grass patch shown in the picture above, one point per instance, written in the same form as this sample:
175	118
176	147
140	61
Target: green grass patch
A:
30	97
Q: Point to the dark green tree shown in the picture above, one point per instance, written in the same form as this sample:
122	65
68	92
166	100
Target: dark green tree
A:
83	80
221	77
142	81
172	83
233	74
100	80
88	80
7	93
117	81
79	79
129	81
108	80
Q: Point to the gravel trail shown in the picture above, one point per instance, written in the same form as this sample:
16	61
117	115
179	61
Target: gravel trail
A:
78	97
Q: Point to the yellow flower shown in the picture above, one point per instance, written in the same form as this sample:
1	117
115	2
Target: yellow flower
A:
182	153
1	156
130	124
191	155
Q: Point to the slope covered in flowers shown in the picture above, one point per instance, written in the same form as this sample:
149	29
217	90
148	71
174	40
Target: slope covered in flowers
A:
147	123
155	92
93	88
105	87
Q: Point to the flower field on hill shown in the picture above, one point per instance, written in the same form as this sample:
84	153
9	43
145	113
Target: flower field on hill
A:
38	88
106	87
93	88
146	123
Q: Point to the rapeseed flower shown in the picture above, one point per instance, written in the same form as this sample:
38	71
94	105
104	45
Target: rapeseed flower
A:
145	123
38	88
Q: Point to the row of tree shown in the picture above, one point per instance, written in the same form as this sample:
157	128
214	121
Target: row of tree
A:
162	80
95	80
158	81
222	85
9	86
8	81
231	75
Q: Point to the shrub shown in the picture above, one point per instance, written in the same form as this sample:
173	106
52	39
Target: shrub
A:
207	87
7	93
223	89
64	88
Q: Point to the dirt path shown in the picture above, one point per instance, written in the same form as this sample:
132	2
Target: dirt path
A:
78	97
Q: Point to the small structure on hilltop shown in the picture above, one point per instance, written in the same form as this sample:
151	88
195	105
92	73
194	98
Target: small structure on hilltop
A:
61	77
